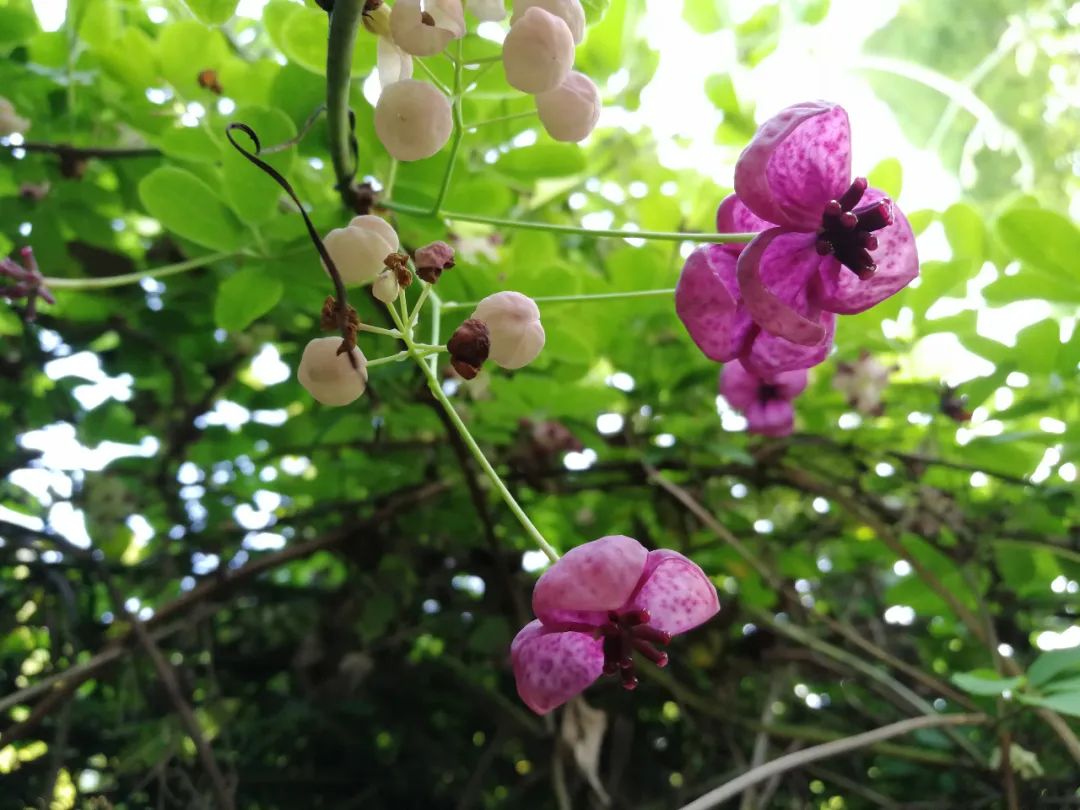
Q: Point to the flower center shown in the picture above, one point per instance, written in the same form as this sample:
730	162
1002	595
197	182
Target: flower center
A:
626	633
767	392
846	232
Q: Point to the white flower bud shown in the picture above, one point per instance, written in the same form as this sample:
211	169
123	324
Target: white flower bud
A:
328	376
359	249
413	119
570	11
392	63
487	10
513	322
571	110
11	123
386	287
426	31
538	52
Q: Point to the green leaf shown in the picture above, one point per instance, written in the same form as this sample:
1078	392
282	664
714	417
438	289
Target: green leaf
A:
543	160
1063	702
985	682
213	12
188	207
888	175
1049	665
244	297
1043	239
16	27
185	49
965	231
594	10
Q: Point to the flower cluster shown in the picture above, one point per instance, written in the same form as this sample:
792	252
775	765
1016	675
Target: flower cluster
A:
414	119
826	245
596	607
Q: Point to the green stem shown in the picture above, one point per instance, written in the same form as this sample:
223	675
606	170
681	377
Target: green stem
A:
446	91
436	324
597	233
344	24
470	442
573	299
392	358
502	119
484	60
378	330
134	278
391	180
455	144
424	293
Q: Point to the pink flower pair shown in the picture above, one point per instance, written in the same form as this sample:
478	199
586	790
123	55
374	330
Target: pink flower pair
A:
826	245
599	605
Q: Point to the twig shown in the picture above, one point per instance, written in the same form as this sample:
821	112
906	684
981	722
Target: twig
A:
85	152
797	760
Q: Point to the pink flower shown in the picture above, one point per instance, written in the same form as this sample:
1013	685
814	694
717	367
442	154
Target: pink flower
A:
765	402
826	246
836	245
599	604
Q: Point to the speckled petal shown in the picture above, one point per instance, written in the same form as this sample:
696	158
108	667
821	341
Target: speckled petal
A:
734	217
600	575
773	418
676	593
738	385
707	302
770	355
551	667
774	272
797	161
840	290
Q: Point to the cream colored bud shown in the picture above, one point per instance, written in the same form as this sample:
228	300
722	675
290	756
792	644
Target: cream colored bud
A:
386	287
513	322
11	123
538	52
359	249
328	376
571	110
426	30
413	119
570	11
487	10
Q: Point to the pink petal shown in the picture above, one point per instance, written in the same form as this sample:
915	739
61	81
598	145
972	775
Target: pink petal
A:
770	355
676	593
734	217
707	302
840	290
596	576
773	418
774	272
550	667
739	386
790	384
797	161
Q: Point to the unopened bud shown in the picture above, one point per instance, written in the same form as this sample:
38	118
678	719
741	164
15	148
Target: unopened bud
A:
469	347
358	250
513	322
330	377
538	53
432	259
386	287
571	110
413	120
569	11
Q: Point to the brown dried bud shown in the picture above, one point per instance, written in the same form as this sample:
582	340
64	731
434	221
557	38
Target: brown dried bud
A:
361	198
72	165
34	192
469	347
208	80
399	264
954	405
432	259
331	319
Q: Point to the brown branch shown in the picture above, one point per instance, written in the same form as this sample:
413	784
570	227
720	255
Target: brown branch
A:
66	150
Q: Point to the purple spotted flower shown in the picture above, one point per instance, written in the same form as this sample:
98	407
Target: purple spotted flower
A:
597	606
765	402
826	245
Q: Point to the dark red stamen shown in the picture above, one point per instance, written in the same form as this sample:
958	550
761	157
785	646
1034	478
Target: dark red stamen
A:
845	230
624	634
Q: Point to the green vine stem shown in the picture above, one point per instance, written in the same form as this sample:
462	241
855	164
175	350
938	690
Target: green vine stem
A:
459	134
134	278
596	233
420	354
575	299
344	24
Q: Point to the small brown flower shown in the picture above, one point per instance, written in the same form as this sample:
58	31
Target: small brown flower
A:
331	319
954	405
208	80
469	347
399	264
432	259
